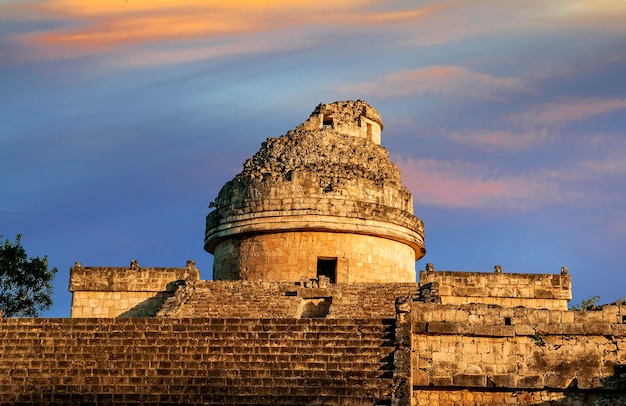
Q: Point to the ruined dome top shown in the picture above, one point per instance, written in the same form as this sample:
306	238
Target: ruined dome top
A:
348	111
330	166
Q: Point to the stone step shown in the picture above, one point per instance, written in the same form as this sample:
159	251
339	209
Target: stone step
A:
192	399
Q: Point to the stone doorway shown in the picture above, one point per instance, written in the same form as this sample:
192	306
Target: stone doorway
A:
327	267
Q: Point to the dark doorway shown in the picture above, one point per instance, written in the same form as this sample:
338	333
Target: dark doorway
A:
327	267
327	122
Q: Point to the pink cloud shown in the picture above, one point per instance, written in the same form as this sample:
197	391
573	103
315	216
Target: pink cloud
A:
106	24
504	140
557	114
466	185
438	81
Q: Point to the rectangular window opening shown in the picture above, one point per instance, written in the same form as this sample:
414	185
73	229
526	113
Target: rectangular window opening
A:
327	122
507	321
327	267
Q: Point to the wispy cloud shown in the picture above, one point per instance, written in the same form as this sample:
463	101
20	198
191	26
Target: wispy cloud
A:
501	139
541	124
483	185
455	81
458	184
561	113
109	24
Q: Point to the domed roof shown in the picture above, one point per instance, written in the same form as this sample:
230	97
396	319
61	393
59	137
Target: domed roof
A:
319	177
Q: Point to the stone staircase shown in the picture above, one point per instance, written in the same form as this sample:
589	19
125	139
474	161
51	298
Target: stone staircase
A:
196	361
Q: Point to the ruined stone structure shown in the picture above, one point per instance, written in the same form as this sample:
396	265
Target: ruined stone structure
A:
314	302
509	290
327	188
125	292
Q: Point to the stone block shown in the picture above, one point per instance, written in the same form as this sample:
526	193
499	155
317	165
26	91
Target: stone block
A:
619	330
530	382
483	329
543	294
593	316
419	327
501	381
567	317
557	380
420	378
466	328
469	380
438	327
549	328
438	381
504	331
597	329
573	328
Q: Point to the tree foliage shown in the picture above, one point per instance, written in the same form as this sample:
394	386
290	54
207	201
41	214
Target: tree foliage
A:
25	283
586	304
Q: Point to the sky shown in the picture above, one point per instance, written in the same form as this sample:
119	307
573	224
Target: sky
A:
120	120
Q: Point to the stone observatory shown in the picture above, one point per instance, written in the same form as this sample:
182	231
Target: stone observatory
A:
322	200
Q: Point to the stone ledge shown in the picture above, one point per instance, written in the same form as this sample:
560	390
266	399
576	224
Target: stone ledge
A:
316	223
123	279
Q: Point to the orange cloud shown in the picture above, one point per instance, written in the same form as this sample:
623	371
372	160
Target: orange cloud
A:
404	15
438	81
467	185
108	23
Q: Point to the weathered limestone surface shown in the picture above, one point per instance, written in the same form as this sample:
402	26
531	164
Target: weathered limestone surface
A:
124	291
473	397
316	303
547	291
288	299
360	258
196	361
482	346
329	175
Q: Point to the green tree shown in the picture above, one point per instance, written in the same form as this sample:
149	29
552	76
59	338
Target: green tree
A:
25	283
586	304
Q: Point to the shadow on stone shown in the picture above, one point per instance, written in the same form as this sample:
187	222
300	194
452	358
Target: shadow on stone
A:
149	307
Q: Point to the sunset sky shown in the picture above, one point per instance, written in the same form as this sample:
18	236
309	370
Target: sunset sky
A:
121	119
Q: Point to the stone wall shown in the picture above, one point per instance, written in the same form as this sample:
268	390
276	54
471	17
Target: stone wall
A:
272	257
196	361
273	299
543	291
477	354
355	118
124	291
263	353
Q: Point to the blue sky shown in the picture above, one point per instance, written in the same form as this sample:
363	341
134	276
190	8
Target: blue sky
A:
121	120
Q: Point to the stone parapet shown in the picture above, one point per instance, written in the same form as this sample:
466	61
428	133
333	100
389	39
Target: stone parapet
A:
124	291
129	279
550	291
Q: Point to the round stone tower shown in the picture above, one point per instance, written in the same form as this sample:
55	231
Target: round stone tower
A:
322	200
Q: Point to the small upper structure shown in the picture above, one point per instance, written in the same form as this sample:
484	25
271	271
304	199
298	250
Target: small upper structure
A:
322	200
354	118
